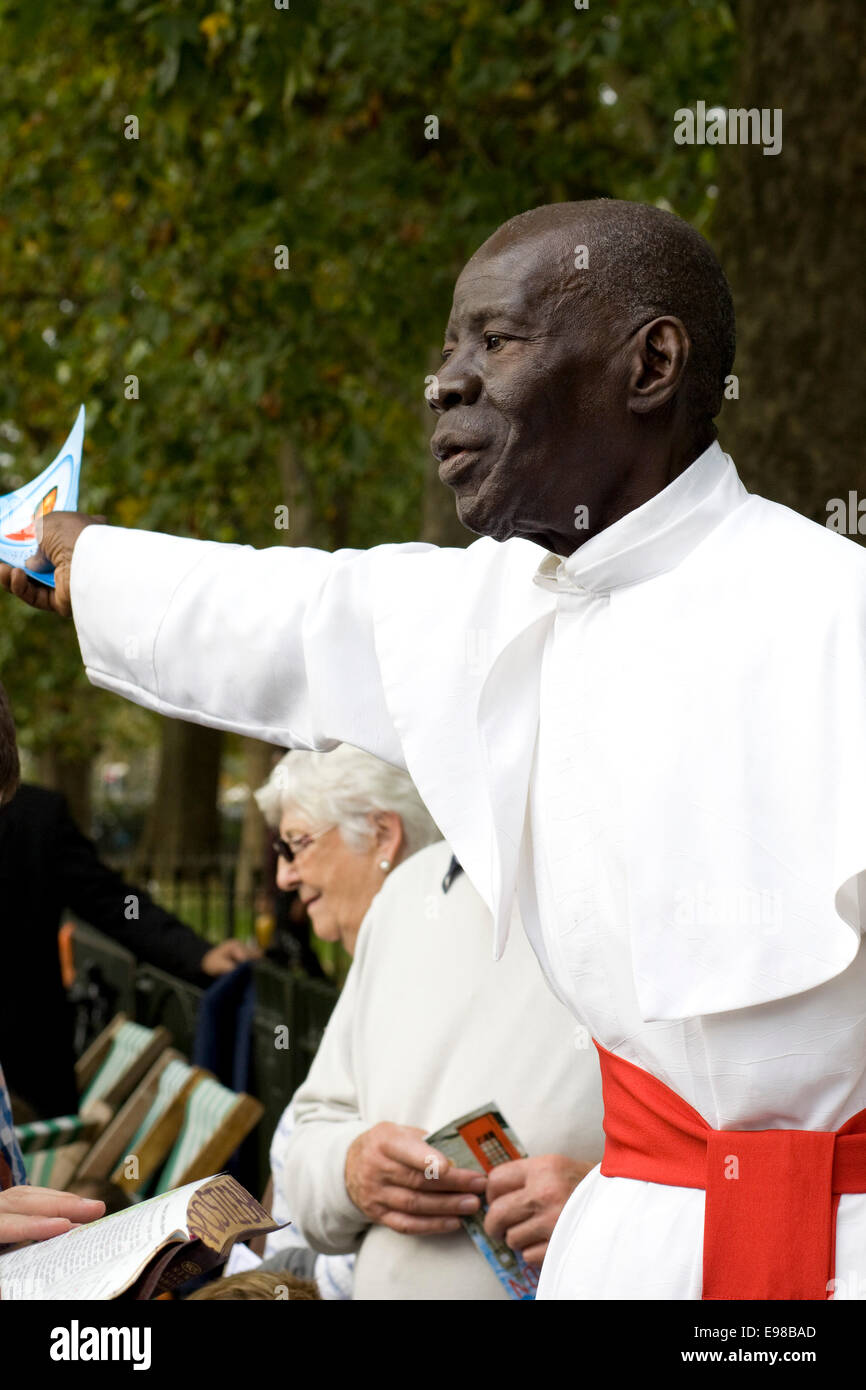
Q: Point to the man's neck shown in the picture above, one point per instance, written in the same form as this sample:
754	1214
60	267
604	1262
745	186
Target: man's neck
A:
639	482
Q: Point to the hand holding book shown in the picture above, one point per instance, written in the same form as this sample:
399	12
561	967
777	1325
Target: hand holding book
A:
140	1252
39	1213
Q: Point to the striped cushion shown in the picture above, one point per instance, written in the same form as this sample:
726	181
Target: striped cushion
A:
171	1080
129	1042
38	1167
47	1134
207	1107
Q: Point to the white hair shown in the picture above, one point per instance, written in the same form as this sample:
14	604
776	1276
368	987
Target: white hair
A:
343	788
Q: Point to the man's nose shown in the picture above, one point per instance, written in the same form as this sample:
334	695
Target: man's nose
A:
456	384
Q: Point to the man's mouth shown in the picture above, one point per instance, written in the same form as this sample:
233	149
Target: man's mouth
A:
445	445
308	902
455	457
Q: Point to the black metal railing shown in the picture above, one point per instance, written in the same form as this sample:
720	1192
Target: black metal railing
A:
206	894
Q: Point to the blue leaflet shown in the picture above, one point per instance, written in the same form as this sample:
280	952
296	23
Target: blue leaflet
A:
55	490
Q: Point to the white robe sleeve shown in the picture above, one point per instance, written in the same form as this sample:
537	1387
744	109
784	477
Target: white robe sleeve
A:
328	1119
276	644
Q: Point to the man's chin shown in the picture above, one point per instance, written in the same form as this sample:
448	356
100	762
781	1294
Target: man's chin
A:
476	513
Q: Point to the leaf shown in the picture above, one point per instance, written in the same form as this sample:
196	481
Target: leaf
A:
166	73
213	23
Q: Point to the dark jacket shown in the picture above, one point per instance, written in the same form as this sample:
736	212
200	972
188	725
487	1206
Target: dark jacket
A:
46	866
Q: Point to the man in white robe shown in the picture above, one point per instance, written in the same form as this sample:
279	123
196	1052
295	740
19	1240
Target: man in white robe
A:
637	705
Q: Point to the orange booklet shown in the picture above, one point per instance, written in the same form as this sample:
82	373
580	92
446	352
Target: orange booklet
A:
482	1140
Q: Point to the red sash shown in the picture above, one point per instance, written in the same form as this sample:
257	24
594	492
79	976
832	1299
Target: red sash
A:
771	1194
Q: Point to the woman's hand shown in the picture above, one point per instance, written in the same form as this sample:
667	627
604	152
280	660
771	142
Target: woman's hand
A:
38	1213
56	534
397	1180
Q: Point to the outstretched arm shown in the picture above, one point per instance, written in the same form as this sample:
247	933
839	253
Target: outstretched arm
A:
277	644
126	912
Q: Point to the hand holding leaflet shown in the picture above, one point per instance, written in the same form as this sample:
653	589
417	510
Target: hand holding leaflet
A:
55	489
482	1140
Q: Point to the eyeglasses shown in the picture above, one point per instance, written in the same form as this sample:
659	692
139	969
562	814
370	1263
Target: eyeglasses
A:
291	848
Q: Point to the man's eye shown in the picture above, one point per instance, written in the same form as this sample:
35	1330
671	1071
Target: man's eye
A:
493	341
446	353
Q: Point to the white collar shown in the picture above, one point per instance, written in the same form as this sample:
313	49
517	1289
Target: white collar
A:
654	537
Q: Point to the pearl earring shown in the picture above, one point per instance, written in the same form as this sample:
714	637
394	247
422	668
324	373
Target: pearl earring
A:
384	865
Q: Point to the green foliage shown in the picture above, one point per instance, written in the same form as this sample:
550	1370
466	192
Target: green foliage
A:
303	128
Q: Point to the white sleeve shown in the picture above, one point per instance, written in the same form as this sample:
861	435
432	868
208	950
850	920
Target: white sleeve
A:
277	644
328	1119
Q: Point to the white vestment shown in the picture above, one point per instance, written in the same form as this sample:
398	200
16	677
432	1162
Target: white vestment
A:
658	745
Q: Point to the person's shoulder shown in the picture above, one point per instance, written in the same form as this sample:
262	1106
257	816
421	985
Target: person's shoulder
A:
486	589
35	803
424	879
793	528
810	556
424	867
482	555
421	905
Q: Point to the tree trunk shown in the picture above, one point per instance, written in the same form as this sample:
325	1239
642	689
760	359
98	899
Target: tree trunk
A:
790	230
295	496
254	860
182	831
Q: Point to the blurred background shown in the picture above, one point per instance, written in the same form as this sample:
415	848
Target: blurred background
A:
232	231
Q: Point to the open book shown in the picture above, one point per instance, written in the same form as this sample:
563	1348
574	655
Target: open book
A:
140	1252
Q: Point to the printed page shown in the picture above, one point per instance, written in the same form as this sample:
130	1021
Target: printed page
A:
100	1260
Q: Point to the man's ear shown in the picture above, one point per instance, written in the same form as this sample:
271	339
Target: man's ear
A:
660	351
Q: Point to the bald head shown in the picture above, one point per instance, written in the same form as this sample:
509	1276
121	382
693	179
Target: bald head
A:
641	263
584	360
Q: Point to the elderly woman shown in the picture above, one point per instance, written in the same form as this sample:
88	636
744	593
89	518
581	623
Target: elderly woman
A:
427	1028
345	820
